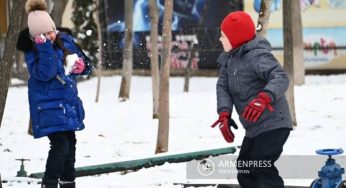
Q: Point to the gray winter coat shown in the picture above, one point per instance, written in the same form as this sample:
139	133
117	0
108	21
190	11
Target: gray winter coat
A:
245	72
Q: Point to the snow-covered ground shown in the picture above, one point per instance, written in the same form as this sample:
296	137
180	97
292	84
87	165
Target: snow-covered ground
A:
118	131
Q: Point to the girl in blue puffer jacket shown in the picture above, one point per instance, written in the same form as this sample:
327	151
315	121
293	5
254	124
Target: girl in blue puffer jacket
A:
56	110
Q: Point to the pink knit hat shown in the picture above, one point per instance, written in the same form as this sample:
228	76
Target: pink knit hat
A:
39	20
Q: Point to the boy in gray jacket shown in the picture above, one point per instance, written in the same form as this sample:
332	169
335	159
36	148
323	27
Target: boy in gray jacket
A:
252	81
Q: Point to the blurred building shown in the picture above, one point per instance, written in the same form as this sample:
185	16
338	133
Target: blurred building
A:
196	23
324	31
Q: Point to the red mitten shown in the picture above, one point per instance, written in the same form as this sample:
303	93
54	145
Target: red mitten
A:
224	122
257	106
78	66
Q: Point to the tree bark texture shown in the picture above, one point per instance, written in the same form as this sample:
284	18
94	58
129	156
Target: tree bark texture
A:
99	22
154	60
20	71
124	93
9	52
289	49
298	46
163	129
188	68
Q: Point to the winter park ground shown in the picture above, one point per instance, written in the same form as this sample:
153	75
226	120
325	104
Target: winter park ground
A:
119	131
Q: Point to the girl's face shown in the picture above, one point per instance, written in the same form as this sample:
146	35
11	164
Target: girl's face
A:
225	42
51	35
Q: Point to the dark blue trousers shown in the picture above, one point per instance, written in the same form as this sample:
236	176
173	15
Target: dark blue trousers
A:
61	158
261	152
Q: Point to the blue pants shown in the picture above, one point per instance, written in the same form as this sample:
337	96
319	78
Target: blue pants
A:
61	158
255	163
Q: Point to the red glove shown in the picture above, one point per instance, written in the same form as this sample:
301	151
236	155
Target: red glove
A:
78	66
257	106
40	39
225	126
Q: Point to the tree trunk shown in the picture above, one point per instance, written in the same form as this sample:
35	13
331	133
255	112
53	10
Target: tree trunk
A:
98	86
188	68
163	130
298	46
263	18
290	48
124	93
99	22
30	128
9	52
154	56
58	11
20	71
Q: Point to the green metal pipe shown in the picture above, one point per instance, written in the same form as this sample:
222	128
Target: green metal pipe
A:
145	163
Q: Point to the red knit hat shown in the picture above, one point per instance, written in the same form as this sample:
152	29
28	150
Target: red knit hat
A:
238	27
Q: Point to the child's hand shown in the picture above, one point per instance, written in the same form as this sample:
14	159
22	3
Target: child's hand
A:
40	39
257	106
78	66
225	122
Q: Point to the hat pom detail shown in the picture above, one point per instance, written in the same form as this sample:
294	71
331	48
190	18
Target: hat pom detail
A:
32	5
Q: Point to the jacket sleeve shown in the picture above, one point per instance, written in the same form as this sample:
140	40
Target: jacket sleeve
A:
42	65
269	69
224	100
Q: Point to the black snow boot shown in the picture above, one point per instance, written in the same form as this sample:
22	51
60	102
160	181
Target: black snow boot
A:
67	184
47	185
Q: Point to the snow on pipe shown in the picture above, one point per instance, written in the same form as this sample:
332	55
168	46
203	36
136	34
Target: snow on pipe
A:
146	162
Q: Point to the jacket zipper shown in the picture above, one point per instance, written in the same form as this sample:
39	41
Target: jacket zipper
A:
237	79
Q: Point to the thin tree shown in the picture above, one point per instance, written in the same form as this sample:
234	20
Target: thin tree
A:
58	11
16	16
9	53
163	129
20	70
124	93
154	61
298	45
100	23
293	47
188	68
263	18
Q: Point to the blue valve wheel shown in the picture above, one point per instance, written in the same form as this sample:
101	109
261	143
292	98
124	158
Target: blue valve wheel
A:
341	184
317	183
330	151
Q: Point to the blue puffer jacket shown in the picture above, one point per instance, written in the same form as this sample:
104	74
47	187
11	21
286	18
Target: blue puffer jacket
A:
53	96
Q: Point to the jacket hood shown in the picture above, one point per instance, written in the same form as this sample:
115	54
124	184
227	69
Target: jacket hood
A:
256	43
25	43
